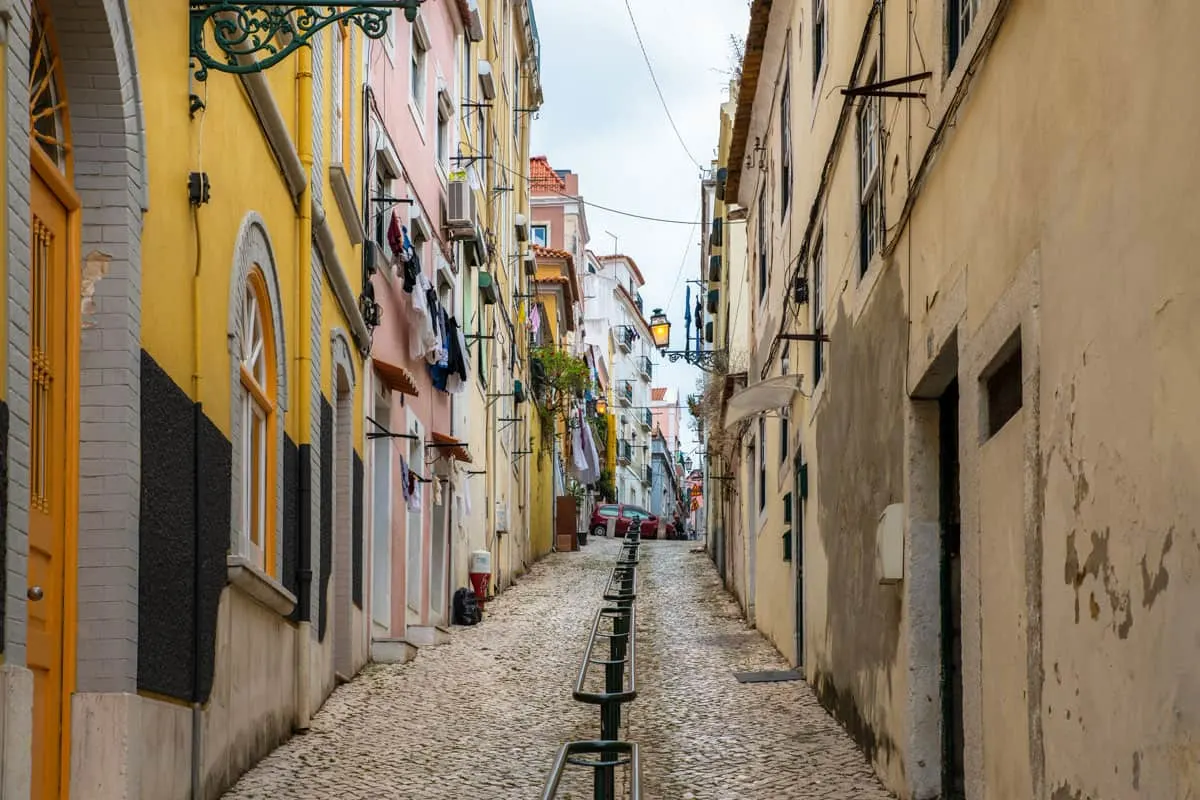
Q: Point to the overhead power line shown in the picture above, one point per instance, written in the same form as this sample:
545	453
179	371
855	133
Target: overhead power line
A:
657	88
589	204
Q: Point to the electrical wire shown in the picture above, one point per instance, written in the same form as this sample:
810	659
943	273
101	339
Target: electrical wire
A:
529	180
683	262
657	88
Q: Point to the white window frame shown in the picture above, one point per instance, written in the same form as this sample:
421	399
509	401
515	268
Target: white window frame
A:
418	68
337	93
870	177
961	16
545	229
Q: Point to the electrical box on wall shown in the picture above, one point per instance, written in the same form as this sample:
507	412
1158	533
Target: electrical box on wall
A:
889	545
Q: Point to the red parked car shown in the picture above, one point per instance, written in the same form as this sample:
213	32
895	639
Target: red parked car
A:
627	516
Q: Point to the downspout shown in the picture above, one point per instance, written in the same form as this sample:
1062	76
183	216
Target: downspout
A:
197	417
304	239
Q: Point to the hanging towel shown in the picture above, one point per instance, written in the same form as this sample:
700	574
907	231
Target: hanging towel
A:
591	453
405	489
422	337
396	236
414	500
457	360
535	320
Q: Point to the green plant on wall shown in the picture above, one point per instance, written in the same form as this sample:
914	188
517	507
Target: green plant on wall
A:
559	378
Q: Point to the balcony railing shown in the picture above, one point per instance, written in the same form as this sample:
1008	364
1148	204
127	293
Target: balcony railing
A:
648	476
625	452
625	392
646	367
647	419
625	336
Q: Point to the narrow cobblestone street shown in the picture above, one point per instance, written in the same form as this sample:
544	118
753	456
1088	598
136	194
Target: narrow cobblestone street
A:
485	714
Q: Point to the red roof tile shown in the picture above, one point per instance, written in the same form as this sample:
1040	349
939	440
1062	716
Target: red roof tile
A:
657	393
542	177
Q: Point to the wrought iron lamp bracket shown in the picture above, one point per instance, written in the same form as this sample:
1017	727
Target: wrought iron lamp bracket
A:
254	35
705	360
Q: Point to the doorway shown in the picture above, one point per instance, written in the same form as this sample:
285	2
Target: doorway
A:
54	410
437	555
799	492
953	783
343	549
381	521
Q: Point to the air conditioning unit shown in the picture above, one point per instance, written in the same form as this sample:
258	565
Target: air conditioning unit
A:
522	227
460	216
487	83
530	261
474	25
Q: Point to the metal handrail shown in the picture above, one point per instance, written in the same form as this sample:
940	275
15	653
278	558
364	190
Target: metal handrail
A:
621	654
610	752
622	584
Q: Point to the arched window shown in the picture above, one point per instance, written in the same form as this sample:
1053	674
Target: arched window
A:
259	420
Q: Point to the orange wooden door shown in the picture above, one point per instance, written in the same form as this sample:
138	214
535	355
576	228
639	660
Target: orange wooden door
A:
49	321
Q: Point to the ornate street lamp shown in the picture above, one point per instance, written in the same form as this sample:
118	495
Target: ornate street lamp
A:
601	406
706	360
255	35
660	329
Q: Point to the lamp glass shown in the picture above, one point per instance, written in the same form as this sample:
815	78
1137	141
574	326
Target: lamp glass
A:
660	329
601	406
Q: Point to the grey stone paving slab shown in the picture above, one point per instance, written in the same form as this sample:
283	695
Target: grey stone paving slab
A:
484	715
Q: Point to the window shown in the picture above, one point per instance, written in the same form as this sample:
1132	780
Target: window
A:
820	29
518	103
541	236
417	77
960	18
762	464
467	76
1003	386
785	143
257	370
870	202
762	246
445	114
818	305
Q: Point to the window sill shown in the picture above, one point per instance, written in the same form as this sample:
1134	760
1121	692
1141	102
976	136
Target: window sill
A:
259	585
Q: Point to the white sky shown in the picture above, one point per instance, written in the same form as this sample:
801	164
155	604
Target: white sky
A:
602	119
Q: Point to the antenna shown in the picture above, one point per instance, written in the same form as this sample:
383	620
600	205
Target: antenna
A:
615	240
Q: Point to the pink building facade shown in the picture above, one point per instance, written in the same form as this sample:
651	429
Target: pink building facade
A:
417	465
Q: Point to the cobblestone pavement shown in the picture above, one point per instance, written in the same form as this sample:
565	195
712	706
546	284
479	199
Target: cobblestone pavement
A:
484	715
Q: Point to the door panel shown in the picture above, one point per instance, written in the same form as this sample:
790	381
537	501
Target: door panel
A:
47	530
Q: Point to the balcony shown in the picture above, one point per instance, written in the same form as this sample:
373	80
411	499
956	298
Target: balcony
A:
648	476
624	336
648	419
625	392
646	368
637	301
624	453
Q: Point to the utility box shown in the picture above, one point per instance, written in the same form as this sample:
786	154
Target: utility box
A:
889	545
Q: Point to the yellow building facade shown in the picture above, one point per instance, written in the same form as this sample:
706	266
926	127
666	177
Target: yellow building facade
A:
502	89
183	391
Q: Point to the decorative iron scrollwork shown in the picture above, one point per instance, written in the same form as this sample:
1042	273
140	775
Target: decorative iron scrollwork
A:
254	35
705	360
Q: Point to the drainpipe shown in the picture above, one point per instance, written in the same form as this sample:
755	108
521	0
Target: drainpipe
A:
304	239
197	417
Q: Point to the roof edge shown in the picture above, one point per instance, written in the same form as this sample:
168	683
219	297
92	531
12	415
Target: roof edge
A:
756	37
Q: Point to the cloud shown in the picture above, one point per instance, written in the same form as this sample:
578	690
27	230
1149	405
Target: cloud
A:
602	118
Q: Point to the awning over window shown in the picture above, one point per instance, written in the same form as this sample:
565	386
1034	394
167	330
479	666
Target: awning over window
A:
449	447
763	396
397	378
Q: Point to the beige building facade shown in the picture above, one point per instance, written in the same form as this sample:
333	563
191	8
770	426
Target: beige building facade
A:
985	470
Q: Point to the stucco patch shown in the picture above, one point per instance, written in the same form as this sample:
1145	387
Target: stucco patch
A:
1099	567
